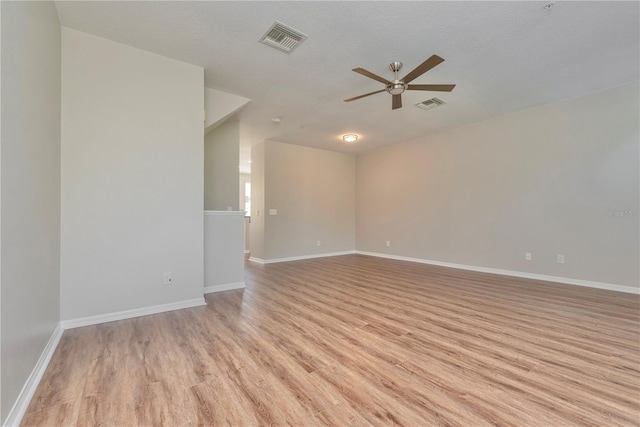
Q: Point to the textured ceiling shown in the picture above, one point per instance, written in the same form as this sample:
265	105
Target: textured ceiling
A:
503	56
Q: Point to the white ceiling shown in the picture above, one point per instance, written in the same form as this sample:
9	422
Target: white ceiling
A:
503	56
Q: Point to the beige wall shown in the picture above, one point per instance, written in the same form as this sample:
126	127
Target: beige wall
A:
30	190
549	180
219	106
313	193
132	177
221	174
223	249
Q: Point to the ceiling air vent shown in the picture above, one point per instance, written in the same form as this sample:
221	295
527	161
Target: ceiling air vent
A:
282	37
430	103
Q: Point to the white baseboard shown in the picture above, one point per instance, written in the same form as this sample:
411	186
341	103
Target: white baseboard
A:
128	314
564	280
224	287
24	398
298	258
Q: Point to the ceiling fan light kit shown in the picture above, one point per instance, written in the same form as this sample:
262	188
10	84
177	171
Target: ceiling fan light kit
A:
397	87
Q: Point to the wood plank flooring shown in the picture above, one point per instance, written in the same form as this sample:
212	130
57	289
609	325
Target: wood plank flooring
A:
356	340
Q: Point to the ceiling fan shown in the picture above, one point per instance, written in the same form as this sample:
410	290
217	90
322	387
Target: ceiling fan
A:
398	86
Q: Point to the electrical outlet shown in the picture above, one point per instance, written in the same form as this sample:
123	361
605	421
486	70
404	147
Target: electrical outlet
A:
527	256
560	259
167	278
388	243
318	243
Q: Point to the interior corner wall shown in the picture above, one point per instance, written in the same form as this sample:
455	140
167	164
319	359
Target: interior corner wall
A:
132	178
221	167
29	190
313	193
557	179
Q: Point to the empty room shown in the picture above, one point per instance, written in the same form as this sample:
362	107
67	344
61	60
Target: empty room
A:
320	213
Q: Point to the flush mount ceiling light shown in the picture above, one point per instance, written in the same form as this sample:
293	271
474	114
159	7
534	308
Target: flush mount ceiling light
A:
350	137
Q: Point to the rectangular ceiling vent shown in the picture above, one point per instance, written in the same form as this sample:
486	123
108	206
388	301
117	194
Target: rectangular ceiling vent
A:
430	103
282	37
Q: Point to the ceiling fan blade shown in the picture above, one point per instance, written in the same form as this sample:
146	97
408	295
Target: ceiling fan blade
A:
397	102
362	96
436	88
423	68
371	75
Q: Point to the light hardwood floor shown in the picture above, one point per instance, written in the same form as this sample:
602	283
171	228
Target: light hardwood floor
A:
356	340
